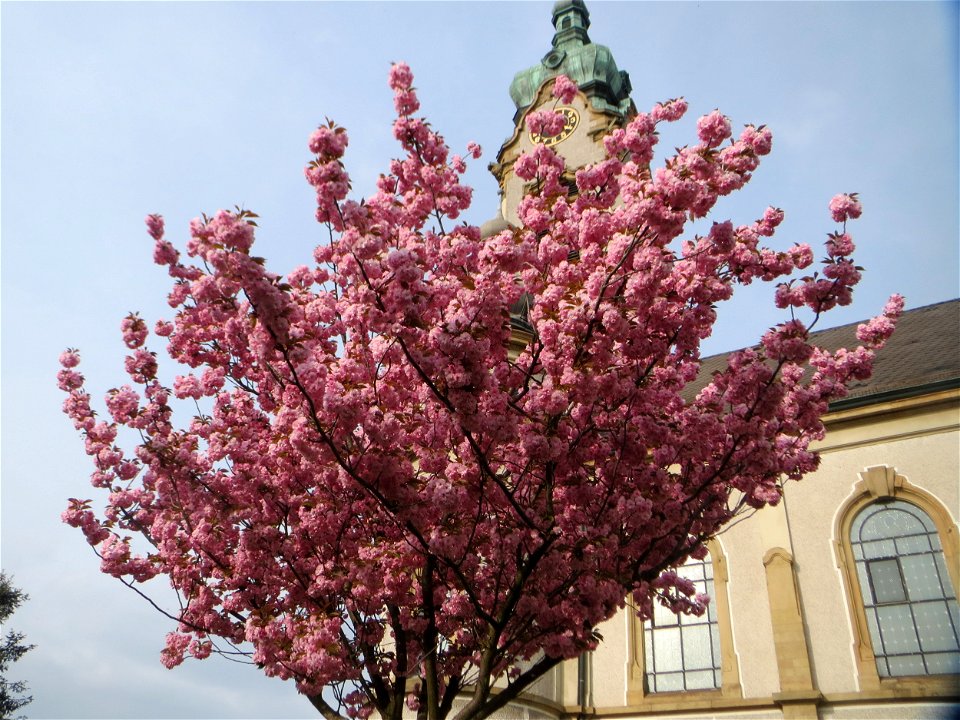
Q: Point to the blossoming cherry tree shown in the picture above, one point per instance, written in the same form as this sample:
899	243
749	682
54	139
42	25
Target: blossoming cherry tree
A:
376	498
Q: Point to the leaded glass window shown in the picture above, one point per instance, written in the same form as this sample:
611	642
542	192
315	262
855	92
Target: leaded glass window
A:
911	609
682	652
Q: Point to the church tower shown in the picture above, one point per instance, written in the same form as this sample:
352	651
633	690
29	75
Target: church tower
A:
602	104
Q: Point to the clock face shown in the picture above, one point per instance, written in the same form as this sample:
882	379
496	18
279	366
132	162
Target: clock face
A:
571	118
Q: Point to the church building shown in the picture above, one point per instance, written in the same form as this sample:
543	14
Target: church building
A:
841	601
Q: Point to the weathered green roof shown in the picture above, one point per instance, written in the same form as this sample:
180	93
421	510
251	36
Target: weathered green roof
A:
588	64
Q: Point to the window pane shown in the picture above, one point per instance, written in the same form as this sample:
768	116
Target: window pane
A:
692	571
913	544
662	616
934	627
896	625
886	581
943	663
875	636
879	549
666	650
715	635
709	591
700	680
943	573
696	648
865	584
906	665
898	518
920	575
668	682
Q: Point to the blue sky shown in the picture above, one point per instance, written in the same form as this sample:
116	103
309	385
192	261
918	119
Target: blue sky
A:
114	110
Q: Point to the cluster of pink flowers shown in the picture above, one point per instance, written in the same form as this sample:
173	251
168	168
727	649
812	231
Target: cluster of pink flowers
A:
714	128
565	89
134	331
845	207
546	123
839	274
670	111
374	488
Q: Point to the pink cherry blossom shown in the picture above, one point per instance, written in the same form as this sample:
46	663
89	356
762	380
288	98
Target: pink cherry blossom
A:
134	330
713	129
122	404
328	141
671	110
564	89
759	139
839	245
155	226
401	77
69	358
845	206
546	123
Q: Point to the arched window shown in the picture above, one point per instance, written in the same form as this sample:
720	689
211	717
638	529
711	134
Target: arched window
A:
682	652
898	551
910	605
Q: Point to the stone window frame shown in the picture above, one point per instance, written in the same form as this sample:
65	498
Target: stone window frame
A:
883	482
638	696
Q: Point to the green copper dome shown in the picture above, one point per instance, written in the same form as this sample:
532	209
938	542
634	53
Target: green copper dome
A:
589	65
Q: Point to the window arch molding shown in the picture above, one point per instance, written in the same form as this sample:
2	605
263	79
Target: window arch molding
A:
878	483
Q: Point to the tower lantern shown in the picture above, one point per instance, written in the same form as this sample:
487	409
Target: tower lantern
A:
573	54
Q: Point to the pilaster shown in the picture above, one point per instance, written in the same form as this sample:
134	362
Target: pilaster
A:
798	697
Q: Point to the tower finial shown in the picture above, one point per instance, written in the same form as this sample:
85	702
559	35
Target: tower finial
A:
589	65
571	19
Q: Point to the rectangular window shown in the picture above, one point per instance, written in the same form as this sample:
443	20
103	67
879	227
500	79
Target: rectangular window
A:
683	652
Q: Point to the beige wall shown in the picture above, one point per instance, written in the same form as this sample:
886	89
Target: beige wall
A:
890	711
919	445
